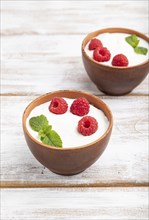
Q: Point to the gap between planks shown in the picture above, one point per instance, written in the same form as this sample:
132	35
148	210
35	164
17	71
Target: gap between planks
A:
14	184
9	33
103	95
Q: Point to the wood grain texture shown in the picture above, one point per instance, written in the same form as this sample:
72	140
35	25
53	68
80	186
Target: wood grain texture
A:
35	60
33	65
125	161
75	17
75	203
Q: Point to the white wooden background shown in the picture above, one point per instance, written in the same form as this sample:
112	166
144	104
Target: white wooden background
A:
41	52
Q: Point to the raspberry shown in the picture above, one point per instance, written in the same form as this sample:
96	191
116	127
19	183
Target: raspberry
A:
120	60
94	43
58	106
87	126
101	54
80	107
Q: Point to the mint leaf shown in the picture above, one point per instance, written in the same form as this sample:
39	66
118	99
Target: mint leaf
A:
43	132
135	39
50	137
132	40
38	123
141	50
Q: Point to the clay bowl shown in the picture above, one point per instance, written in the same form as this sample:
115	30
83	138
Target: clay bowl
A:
114	80
68	161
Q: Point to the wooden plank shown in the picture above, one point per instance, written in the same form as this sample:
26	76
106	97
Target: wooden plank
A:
36	17
44	58
33	65
124	163
75	203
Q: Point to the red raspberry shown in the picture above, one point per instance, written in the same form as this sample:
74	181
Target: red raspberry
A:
101	54
80	107
58	106
87	126
94	43
120	60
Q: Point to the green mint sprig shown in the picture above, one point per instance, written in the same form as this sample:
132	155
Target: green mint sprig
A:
38	123
50	137
141	50
133	41
45	132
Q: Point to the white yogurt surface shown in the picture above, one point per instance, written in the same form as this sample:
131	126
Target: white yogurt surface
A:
66	124
116	44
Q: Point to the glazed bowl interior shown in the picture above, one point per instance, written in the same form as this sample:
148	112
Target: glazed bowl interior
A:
72	94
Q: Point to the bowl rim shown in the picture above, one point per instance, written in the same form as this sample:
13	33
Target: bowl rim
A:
113	30
109	129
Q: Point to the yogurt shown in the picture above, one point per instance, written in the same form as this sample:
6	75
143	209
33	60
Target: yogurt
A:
116	44
66	124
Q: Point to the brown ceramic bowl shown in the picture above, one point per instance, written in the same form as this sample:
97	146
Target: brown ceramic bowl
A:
114	80
68	161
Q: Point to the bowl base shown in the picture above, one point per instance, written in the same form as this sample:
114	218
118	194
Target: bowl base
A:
67	174
114	94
